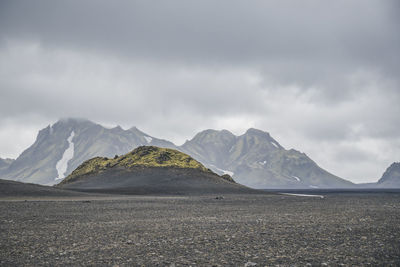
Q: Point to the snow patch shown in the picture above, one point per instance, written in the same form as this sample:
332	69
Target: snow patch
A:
275	145
297	178
302	195
263	162
62	164
230	150
148	139
223	171
228	172
313	186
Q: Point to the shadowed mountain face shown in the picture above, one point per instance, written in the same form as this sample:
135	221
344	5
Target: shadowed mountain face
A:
257	160
254	159
149	170
391	177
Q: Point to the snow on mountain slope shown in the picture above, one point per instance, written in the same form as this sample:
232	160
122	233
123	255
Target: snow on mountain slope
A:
62	164
63	146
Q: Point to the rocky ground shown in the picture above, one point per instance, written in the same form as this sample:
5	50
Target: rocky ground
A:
238	230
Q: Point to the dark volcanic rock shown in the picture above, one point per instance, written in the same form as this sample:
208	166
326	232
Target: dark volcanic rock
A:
269	230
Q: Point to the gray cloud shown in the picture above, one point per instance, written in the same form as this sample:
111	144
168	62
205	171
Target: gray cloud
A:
321	77
342	32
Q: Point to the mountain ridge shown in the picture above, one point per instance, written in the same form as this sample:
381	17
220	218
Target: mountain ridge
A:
258	160
253	158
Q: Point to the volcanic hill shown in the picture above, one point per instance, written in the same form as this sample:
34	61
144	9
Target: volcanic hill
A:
149	170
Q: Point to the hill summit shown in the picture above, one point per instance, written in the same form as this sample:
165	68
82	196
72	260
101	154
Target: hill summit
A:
149	170
143	156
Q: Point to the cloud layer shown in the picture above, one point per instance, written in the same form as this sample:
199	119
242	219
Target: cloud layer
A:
320	77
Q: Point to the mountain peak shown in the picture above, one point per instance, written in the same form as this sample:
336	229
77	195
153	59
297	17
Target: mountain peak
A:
208	131
71	123
136	130
212	133
254	131
261	136
117	129
72	120
392	174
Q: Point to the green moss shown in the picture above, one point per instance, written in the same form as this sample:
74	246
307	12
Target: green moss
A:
146	156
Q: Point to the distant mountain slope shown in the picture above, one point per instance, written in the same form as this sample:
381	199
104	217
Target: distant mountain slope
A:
149	170
61	147
257	160
391	177
5	163
210	146
18	189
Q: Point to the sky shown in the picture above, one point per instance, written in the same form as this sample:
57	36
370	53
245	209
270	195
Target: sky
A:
322	77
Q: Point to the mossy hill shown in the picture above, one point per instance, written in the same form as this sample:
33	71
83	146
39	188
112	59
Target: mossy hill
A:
143	156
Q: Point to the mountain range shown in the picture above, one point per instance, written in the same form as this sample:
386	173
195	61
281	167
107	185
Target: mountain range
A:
254	159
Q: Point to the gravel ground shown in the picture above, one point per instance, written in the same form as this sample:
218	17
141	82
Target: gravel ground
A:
238	230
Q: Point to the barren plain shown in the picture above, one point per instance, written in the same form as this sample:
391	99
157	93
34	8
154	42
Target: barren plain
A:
237	230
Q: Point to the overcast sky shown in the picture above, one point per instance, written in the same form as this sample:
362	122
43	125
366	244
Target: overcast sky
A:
322	77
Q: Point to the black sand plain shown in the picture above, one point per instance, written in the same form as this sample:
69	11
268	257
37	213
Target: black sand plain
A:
348	229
